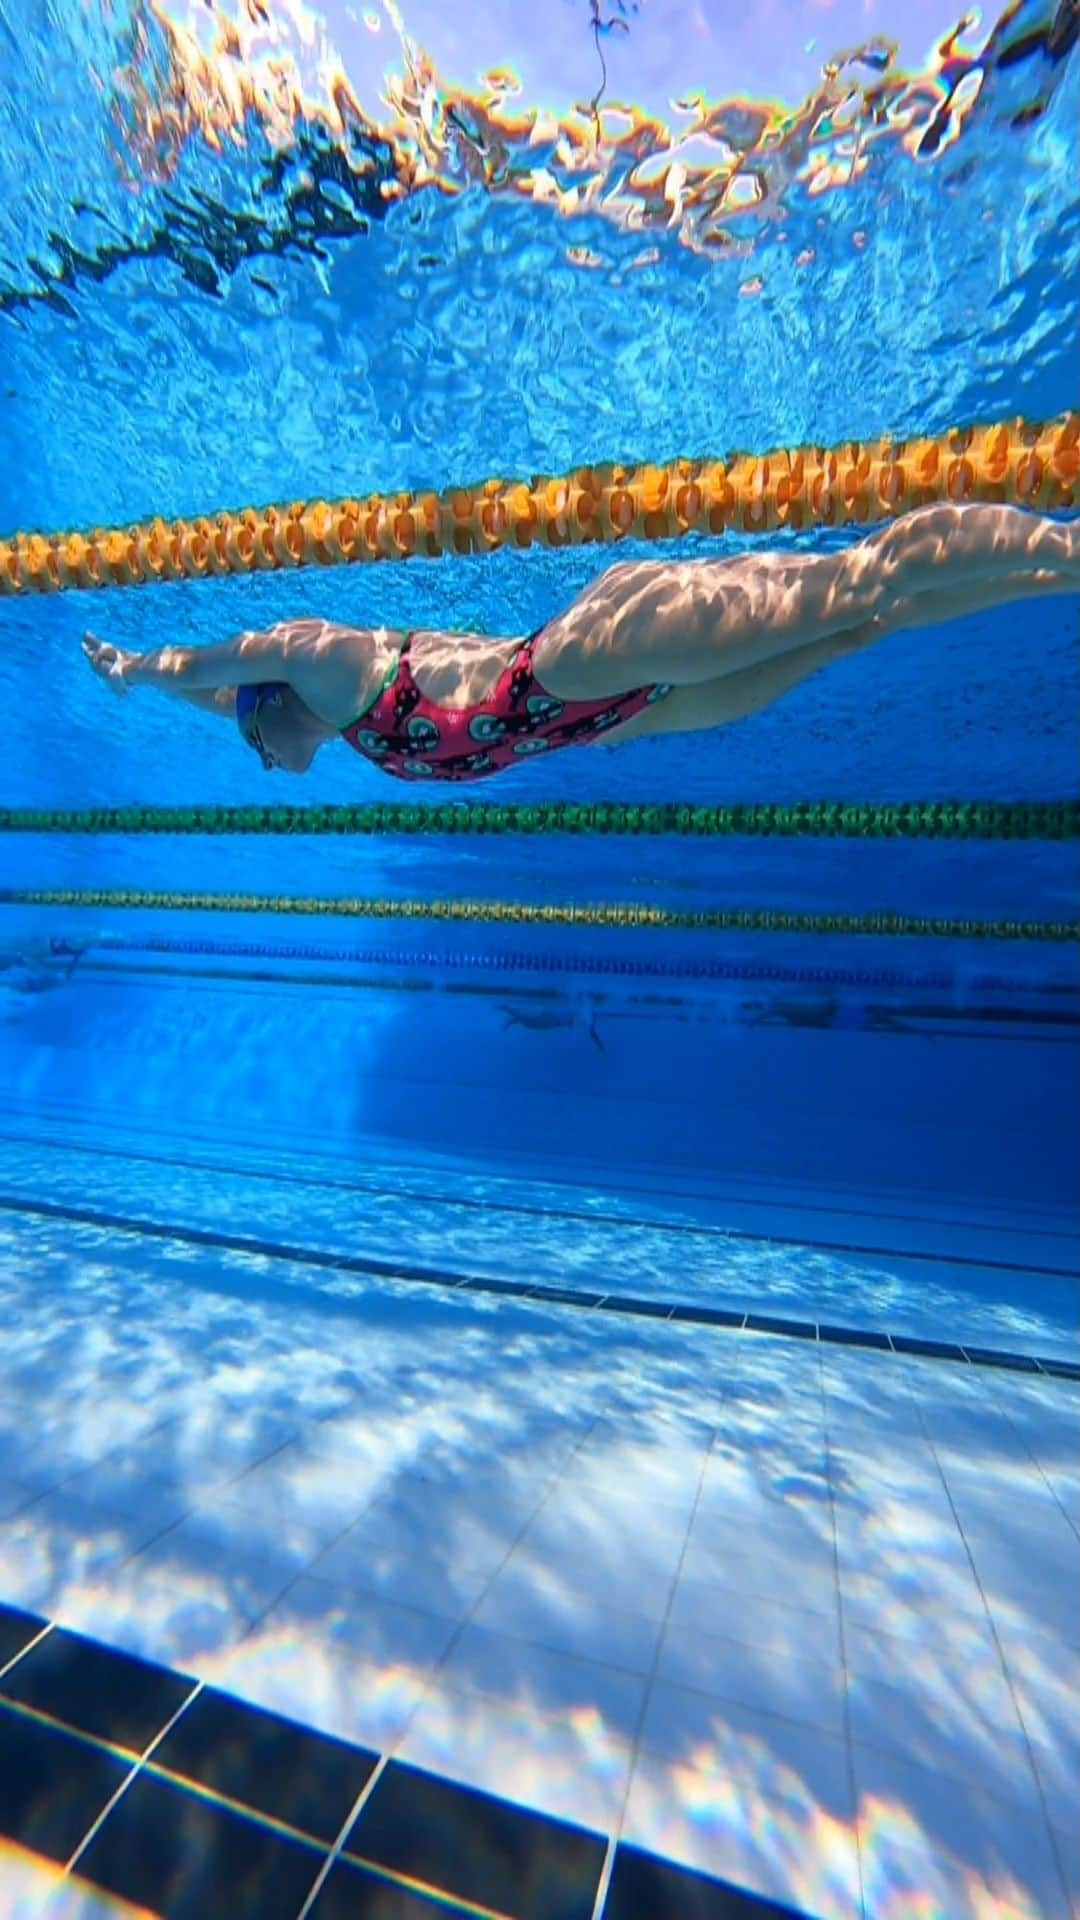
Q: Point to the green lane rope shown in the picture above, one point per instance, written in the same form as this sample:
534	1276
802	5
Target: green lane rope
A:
868	820
514	913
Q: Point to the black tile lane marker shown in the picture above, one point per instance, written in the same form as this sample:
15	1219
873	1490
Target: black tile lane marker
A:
644	1887
808	1330
17	1630
478	1849
53	1785
242	1753
120	1700
168	1850
226	1814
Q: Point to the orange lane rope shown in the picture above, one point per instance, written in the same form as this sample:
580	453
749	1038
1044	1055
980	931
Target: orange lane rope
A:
1026	463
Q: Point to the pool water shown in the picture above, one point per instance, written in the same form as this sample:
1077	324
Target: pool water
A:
540	1418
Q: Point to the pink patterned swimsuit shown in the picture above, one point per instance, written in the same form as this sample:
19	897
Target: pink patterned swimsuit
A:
407	734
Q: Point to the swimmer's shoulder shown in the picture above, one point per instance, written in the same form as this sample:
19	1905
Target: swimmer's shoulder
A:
337	670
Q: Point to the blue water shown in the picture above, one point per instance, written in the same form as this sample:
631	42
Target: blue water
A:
220	328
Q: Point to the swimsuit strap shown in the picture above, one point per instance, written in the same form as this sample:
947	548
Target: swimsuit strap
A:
400	677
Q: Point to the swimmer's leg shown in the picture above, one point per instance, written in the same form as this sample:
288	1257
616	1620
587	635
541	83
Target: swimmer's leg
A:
978	555
735	696
687	622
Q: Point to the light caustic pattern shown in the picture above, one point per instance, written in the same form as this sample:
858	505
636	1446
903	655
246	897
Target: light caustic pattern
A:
250	117
273	63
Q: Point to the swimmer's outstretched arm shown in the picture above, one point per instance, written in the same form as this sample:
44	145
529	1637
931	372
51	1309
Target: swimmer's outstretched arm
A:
190	671
321	661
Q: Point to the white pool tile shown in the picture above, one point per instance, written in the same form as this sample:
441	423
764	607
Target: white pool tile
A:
1066	1842
207	1445
769	1563
201	1551
1050	1713
1065	1488
871	1483
929	1843
792	1850
1040	1593
260	1529
32	1460
676	1422
572	1769
56	1439
998	1495
146	1505
750	1516
916	1558
319	1682
897	1595
181	1622
960	1722
434	1581
705	1598
53	1547
767	1626
782	1758
619	1521
1036	1657
757	1455
658	1477
14	1495
522	1677
581	1550
421	1521
965	1647
363	1625
324	1496
905	1517
793	1681
467	1487
562	1609
745	1509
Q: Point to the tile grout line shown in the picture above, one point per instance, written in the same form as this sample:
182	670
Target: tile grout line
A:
35	1642
526	1811
163	1533
306	1572
615	1840
465	1621
1041	1471
1007	1672
849	1744
349	1822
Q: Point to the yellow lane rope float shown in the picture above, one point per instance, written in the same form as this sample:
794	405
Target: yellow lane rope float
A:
1023	462
523	913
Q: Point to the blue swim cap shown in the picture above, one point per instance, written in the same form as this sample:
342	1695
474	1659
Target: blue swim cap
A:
248	698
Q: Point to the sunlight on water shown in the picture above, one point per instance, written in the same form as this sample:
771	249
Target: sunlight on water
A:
403	278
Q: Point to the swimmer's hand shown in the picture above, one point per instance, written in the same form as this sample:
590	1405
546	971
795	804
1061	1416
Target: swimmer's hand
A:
107	660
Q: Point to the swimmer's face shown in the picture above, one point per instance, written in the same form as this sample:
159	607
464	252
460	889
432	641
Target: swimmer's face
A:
277	732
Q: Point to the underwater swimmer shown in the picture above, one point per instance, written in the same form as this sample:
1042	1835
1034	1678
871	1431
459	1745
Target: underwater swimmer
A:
649	647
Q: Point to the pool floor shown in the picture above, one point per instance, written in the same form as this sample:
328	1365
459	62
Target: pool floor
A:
799	1618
